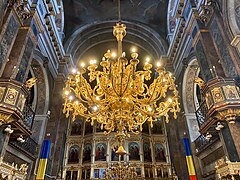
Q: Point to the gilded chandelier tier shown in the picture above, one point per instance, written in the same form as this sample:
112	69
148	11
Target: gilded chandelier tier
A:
117	95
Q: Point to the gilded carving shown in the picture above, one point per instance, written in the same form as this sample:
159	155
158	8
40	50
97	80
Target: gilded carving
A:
200	82
30	82
12	171
11	96
226	168
2	90
21	8
5	119
217	94
228	114
230	92
21	102
206	11
209	100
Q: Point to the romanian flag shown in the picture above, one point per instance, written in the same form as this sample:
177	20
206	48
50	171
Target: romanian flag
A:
191	169
43	160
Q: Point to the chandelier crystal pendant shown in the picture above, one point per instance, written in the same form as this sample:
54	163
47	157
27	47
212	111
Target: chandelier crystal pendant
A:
117	95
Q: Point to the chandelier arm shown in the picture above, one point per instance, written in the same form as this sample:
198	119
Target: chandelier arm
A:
151	95
141	110
103	87
141	94
88	92
114	86
127	83
78	95
81	99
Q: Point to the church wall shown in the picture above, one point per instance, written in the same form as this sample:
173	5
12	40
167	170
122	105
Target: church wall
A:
209	42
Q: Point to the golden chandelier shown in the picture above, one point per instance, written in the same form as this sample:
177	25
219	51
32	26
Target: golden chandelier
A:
117	95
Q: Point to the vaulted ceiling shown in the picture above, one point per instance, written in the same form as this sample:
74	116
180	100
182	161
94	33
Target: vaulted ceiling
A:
151	13
88	25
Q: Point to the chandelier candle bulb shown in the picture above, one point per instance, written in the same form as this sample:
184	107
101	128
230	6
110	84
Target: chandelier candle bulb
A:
158	64
83	64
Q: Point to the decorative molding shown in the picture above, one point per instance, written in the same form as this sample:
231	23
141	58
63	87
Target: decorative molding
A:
12	171
206	11
235	41
226	168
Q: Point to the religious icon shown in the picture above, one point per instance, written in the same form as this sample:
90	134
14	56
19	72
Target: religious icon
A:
147	152
209	100
73	156
145	128
76	128
160	153
134	151
87	152
100	152
157	127
230	92
88	128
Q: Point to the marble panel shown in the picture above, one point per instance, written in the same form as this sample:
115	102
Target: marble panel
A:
8	38
26	58
222	49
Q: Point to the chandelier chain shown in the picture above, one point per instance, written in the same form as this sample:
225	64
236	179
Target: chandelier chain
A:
119	11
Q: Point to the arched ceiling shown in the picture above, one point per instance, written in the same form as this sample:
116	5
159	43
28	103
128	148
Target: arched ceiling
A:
88	26
152	13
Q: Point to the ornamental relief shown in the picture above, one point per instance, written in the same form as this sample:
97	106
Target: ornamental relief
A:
11	96
190	87
217	95
2	90
74	141
159	139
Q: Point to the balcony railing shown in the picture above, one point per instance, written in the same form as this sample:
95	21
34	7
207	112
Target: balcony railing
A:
29	146
28	116
201	114
202	143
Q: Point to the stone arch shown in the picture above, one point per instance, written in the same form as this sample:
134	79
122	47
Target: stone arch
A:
189	97
231	15
42	86
85	37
